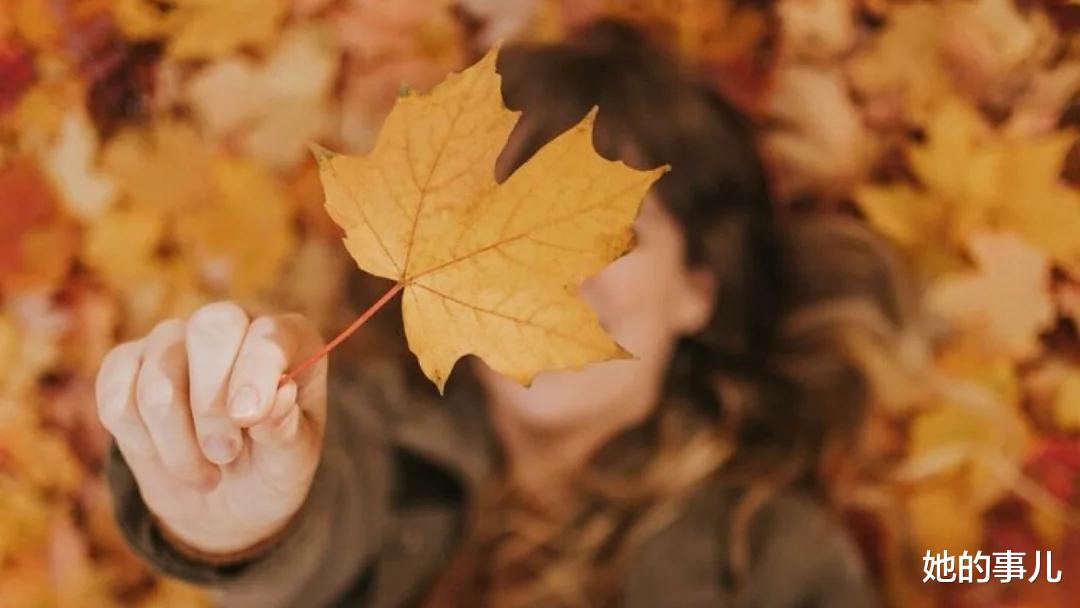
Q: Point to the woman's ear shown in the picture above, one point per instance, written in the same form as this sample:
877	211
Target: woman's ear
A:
694	305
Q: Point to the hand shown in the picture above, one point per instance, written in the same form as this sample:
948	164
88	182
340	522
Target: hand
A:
223	456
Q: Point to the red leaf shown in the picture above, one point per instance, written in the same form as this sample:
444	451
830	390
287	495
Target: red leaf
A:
16	73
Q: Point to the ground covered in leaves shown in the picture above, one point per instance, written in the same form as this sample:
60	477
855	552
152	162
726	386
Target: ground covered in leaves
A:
153	157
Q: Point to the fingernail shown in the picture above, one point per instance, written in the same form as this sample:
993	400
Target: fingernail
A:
244	403
220	450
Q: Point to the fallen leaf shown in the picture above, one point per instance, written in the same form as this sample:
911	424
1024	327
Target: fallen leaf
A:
985	180
239	263
369	94
120	246
26	580
733	42
201	29
941	518
24	520
285	104
904	213
1038	111
165	167
1054	464
1007	297
171	593
1066	407
990	48
904	62
487	269
16	73
914	219
962	440
705	30
375	31
1067	296
391	45
35	22
949	164
40	111
817	30
36	246
819	147
975	429
974	178
36	348
1030	197
501	20
72	166
120	88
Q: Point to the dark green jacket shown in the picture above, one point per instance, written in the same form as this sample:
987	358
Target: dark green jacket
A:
385	513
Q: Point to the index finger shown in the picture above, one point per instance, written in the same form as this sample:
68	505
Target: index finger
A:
271	345
214	335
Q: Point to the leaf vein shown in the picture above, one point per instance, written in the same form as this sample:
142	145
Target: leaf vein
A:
568	337
507	240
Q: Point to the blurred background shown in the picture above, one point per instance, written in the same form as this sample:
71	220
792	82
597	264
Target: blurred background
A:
153	157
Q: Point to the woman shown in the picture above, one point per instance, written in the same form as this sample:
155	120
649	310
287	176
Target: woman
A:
692	475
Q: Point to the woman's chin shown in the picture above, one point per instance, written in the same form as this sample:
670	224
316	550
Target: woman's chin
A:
559	399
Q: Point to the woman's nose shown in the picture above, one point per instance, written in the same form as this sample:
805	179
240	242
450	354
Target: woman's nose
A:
594	294
589	290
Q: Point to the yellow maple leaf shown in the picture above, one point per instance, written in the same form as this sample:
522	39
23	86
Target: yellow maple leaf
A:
916	220
201	29
976	429
41	110
949	164
973	178
485	268
251	197
902	213
119	246
166	167
1031	198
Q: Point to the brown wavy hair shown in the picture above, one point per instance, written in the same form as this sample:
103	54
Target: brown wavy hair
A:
768	395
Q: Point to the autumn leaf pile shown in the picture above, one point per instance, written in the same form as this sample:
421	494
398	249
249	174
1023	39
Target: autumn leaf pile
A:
154	157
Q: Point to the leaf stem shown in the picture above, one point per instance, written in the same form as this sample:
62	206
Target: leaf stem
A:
348	331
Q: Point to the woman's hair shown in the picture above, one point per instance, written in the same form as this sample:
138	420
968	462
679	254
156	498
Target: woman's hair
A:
767	393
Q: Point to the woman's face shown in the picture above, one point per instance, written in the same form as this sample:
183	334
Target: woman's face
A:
645	300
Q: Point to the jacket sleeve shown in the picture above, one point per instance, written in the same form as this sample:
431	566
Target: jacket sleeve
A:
803	557
327	547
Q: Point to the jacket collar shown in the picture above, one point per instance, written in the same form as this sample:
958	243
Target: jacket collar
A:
453	431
